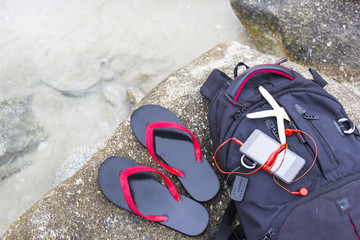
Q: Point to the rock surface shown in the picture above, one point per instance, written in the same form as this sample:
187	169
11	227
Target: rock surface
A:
321	34
75	161
20	134
134	95
76	209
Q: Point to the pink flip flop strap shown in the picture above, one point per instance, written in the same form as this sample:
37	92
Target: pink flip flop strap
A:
150	143
127	193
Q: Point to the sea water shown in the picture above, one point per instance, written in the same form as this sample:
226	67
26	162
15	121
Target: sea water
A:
77	59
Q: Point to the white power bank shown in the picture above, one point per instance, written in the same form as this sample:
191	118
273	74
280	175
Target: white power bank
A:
259	146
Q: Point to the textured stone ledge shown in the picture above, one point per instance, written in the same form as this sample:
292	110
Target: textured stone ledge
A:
76	209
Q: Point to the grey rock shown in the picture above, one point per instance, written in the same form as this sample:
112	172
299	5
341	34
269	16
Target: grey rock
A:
322	34
76	209
20	134
134	95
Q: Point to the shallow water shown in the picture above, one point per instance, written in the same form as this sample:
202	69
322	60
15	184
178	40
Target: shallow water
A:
77	60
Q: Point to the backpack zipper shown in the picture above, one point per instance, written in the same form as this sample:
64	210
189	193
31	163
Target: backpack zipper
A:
311	151
308	148
323	142
240	112
278	221
273	129
269	234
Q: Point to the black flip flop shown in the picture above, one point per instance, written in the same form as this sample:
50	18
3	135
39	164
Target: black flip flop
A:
131	187
164	135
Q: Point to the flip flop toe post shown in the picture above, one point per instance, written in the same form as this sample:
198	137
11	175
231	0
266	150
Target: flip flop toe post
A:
164	135
131	187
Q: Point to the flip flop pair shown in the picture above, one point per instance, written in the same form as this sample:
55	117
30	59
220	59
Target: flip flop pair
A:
131	187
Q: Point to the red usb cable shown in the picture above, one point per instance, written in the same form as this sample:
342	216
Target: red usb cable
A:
271	161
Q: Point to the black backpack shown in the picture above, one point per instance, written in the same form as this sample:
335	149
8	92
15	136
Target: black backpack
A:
331	174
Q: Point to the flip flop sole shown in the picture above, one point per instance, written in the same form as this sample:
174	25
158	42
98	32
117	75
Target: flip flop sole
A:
176	148
151	197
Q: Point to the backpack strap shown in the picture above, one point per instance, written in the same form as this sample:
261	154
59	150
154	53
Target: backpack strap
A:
224	231
317	78
216	80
